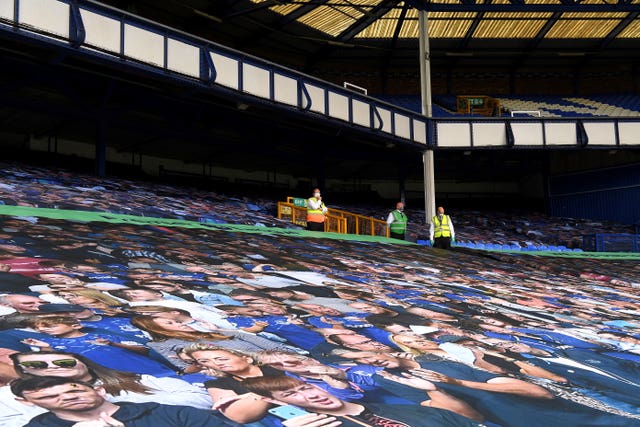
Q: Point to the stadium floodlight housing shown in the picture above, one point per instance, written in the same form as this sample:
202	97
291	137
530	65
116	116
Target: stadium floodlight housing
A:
460	54
528	113
207	16
355	88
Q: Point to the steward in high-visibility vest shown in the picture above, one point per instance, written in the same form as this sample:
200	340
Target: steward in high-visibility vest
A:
441	226
441	231
316	211
397	222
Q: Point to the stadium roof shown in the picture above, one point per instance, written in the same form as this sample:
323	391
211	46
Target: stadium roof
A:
371	19
52	96
314	35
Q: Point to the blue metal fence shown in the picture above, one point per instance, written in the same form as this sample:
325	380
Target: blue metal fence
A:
611	242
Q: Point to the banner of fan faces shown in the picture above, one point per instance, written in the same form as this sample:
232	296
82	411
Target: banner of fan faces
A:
174	326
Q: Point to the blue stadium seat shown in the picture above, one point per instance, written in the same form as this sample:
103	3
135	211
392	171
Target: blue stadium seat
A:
567	106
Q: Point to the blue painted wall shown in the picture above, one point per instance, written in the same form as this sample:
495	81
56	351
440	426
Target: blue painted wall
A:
605	194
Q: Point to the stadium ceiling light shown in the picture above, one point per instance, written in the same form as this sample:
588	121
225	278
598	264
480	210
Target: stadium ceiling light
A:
339	43
208	16
458	54
572	53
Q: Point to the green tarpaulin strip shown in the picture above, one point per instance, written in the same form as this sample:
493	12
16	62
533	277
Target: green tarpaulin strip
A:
88	216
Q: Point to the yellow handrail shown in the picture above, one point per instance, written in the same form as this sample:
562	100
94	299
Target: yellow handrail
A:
337	221
298	215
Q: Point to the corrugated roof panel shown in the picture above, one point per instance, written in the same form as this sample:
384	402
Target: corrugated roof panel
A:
441	24
410	29
507	16
335	16
285	8
542	2
331	20
512	29
365	4
452	29
575	26
632	31
439	16
448	1
594	15
383	27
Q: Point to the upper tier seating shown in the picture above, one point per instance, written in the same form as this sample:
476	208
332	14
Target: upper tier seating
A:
614	105
593	106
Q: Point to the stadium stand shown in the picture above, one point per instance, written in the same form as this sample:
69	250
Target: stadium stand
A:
200	299
592	106
154	308
25	185
611	105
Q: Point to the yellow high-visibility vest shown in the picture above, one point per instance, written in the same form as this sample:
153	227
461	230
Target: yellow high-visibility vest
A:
315	215
441	228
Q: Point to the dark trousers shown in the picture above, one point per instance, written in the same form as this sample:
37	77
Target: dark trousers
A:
399	236
442	242
315	226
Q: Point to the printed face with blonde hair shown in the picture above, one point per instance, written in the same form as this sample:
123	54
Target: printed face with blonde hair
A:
169	324
222	360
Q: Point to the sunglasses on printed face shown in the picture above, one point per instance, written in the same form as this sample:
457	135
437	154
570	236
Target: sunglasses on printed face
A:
39	364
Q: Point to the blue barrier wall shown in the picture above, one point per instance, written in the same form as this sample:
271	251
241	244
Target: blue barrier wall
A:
605	194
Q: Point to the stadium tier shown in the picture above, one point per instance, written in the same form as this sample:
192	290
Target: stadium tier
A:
160	316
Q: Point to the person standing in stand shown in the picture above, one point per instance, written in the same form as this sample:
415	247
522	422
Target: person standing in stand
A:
397	222
441	232
316	211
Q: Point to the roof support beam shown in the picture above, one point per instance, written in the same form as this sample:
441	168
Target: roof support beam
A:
566	6
622	25
376	13
280	23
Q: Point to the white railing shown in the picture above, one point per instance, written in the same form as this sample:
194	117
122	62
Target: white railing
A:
101	30
91	28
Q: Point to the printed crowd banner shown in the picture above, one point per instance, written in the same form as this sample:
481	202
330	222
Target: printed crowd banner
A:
177	322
